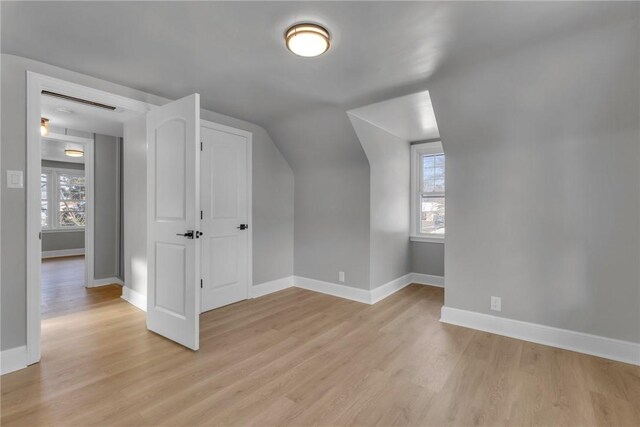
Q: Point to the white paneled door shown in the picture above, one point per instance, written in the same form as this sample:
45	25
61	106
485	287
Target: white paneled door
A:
173	209
225	213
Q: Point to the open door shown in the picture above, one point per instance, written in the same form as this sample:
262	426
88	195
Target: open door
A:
173	207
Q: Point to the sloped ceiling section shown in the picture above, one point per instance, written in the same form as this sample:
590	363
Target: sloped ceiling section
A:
410	117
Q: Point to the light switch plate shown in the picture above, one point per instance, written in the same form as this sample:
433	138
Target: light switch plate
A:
15	179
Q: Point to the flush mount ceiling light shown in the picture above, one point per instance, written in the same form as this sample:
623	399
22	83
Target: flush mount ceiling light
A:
307	40
74	153
44	126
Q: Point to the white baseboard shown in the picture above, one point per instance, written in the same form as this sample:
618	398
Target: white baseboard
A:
134	298
106	281
342	291
266	288
609	348
389	288
13	359
62	252
427	279
365	295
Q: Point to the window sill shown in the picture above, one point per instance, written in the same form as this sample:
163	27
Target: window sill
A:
428	239
61	230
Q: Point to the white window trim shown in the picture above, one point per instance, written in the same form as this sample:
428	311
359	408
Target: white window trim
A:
418	150
52	195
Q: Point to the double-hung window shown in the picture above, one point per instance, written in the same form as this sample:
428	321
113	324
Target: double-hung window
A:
62	199
427	192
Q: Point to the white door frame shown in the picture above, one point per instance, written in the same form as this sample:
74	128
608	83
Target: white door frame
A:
36	83
89	184
249	135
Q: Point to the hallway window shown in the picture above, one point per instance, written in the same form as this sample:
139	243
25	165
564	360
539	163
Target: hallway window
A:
428	191
63	199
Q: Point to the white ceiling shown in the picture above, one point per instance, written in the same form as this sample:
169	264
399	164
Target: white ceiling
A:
54	150
233	54
408	117
84	117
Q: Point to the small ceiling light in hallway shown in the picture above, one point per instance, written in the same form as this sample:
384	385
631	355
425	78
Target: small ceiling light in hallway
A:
44	126
305	39
74	153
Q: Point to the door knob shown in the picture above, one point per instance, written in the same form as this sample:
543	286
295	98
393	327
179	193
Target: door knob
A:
188	234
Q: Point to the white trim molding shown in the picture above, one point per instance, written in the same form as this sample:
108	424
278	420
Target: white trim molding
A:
13	359
271	286
427	279
428	238
390	288
62	253
608	348
342	291
106	281
367	296
134	298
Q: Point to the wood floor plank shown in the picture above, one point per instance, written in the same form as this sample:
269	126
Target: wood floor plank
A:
300	358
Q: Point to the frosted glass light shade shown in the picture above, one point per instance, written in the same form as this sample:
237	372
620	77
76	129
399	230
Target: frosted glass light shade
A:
307	40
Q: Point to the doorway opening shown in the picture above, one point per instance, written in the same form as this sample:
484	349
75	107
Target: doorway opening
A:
74	200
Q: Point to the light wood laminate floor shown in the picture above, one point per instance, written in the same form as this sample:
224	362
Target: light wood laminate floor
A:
301	358
62	287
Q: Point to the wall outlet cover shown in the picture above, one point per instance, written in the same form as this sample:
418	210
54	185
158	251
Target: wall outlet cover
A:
496	303
341	276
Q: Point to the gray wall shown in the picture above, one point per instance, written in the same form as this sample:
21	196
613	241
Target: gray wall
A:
389	161
62	240
272	178
331	195
428	257
106	206
55	240
543	182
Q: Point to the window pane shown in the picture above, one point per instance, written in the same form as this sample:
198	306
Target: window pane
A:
428	162
71	187
44	183
72	200
432	215
44	195
432	179
44	213
72	213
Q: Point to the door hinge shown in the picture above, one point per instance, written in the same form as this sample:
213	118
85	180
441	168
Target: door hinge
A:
200	145
40	235
200	283
200	214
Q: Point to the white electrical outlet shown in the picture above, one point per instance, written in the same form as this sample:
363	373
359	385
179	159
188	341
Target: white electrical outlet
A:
496	303
341	276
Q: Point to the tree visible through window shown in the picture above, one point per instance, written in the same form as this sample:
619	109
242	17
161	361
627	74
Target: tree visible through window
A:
432	194
62	199
71	200
45	178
